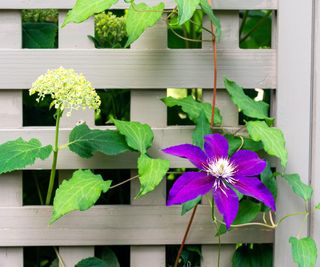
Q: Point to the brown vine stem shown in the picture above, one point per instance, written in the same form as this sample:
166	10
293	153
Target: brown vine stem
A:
215	72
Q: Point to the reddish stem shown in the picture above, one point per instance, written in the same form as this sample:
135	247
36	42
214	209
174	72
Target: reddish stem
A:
214	97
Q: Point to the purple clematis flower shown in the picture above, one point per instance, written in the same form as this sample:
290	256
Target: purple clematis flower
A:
219	174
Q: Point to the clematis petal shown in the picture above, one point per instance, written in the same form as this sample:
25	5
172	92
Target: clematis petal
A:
227	203
248	163
253	187
216	146
189	186
193	153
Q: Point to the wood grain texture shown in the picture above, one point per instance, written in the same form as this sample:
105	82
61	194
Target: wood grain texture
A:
115	225
129	68
67	4
164	137
293	108
315	215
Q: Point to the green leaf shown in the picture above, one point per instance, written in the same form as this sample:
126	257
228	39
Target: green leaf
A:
187	206
256	255
249	107
193	108
304	251
318	207
235	143
39	35
92	262
202	128
298	187
80	192
109	257
269	180
138	136
214	20
83	9
272	138
186	9
17	154
151	172
139	18
248	211
84	141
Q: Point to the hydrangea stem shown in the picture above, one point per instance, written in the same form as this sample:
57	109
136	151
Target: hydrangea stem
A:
55	157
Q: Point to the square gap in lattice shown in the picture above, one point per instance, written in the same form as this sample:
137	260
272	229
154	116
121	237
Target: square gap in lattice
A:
175	114
37	113
110	29
119	195
40	28
190	256
114	255
39	256
35	186
257	95
115	104
188	35
255	29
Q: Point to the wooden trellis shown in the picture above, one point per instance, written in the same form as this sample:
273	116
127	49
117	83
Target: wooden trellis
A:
148	68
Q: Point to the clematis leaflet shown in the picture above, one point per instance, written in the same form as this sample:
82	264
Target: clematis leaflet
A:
220	175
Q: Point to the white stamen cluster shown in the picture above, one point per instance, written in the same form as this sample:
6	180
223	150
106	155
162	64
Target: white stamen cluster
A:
68	89
223	170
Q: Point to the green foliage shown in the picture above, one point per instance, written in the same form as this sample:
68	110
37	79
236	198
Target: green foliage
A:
187	206
304	251
140	17
251	108
202	128
257	255
269	180
40	15
193	108
80	192
151	172
255	29
237	142
248	211
92	262
39	35
110	30
186	9
138	136
17	154
318	206
84	141
83	9
214	20
271	137
110	258
298	187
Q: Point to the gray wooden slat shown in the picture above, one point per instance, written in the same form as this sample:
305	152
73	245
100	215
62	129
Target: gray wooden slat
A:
128	68
315	216
75	37
146	107
115	225
164	137
67	4
293	108
11	117
210	255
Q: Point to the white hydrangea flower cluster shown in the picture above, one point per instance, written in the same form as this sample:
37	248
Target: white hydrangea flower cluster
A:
68	89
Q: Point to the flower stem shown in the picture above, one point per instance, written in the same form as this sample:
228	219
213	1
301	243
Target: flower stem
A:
125	181
55	157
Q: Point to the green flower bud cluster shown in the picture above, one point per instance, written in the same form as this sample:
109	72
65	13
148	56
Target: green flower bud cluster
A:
110	29
68	89
40	15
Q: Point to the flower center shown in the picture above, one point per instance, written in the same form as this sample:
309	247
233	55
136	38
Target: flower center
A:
221	168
